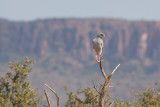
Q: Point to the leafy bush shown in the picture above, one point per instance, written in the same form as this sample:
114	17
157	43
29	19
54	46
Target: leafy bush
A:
14	90
148	98
89	98
85	98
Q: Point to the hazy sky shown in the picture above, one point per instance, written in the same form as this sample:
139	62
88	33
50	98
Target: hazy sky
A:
41	9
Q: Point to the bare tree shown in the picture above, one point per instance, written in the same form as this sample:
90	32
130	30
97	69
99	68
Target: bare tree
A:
102	92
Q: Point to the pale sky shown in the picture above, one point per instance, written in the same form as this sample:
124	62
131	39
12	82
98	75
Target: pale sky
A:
26	10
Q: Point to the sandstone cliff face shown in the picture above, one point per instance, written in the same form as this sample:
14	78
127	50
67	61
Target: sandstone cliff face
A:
124	39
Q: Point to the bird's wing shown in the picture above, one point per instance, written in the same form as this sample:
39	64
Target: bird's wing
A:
102	44
97	43
94	43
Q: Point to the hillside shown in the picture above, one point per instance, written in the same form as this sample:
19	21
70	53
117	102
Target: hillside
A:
124	39
64	55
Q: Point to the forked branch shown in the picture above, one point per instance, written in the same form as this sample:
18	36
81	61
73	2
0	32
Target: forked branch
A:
105	85
54	93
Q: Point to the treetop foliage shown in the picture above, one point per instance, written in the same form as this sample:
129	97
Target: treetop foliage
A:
14	90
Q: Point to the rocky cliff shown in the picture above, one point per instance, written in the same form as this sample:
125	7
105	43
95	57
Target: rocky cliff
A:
124	39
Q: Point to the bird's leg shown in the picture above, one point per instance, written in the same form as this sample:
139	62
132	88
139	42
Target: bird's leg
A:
99	57
96	58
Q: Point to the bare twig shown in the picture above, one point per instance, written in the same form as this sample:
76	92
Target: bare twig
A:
95	87
100	84
47	98
110	86
102	70
54	93
115	69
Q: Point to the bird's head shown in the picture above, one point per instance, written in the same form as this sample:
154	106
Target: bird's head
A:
101	35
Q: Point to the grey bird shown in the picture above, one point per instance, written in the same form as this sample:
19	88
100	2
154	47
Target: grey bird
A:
98	46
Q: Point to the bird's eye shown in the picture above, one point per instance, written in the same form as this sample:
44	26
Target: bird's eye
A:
102	35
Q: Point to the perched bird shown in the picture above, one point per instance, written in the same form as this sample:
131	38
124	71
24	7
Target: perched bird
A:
98	45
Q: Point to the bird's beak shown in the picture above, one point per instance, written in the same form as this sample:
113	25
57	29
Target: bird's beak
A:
103	36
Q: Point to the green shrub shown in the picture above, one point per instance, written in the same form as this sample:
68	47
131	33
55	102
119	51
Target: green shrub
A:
14	90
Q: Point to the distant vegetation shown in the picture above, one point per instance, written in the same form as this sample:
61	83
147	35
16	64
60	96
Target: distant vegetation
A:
15	91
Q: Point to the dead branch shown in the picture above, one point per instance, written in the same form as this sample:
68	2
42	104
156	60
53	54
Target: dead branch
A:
110	86
102	70
105	85
95	87
115	69
54	93
47	98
